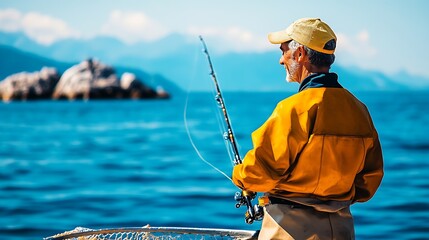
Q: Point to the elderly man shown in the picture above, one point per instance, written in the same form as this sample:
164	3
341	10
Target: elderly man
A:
318	152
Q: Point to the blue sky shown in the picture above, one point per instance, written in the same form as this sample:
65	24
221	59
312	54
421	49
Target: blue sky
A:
384	35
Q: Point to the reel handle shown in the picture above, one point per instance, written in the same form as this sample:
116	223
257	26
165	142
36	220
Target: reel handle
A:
255	212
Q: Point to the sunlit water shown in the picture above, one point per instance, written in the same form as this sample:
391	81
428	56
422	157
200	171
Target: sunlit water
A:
104	164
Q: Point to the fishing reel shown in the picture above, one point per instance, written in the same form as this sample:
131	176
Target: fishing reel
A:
253	212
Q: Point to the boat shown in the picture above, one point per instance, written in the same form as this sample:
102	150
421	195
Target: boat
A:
158	233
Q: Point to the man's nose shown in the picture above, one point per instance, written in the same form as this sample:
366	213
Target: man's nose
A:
282	60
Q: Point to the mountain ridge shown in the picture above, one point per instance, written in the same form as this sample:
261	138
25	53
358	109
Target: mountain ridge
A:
174	57
14	60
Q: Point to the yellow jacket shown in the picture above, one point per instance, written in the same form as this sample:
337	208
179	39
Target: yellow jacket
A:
319	143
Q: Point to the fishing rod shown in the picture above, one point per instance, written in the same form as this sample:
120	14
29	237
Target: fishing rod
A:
243	198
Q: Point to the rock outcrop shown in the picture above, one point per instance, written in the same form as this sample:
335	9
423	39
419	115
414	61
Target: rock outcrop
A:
135	89
29	86
87	80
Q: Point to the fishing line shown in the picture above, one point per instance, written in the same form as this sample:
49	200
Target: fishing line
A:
243	198
188	132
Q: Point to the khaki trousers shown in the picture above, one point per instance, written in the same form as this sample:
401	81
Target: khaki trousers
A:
284	222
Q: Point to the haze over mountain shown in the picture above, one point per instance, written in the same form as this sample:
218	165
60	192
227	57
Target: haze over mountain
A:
14	60
180	60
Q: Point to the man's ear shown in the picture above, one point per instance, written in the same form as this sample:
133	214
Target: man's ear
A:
301	54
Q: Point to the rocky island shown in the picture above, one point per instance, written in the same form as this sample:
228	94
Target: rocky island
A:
89	79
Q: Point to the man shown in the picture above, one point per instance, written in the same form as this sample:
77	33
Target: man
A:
318	152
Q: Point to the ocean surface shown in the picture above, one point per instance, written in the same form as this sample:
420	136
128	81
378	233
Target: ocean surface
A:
105	164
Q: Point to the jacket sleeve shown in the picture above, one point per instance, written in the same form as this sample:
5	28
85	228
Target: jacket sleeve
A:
368	180
275	145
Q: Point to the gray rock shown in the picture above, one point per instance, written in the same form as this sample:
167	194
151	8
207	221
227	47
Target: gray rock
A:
29	86
135	89
89	79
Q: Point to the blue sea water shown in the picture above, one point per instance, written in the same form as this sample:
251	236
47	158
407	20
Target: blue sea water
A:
104	164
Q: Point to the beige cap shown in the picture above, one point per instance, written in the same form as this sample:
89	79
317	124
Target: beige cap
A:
310	32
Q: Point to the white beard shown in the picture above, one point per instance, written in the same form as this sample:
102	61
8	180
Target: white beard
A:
288	77
290	74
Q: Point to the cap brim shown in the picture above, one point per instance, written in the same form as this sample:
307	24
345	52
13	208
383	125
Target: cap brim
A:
279	37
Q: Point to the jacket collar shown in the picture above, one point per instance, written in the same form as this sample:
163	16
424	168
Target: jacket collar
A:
318	80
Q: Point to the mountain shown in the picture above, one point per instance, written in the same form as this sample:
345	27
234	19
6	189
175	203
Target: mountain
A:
13	60
180	59
253	72
19	40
